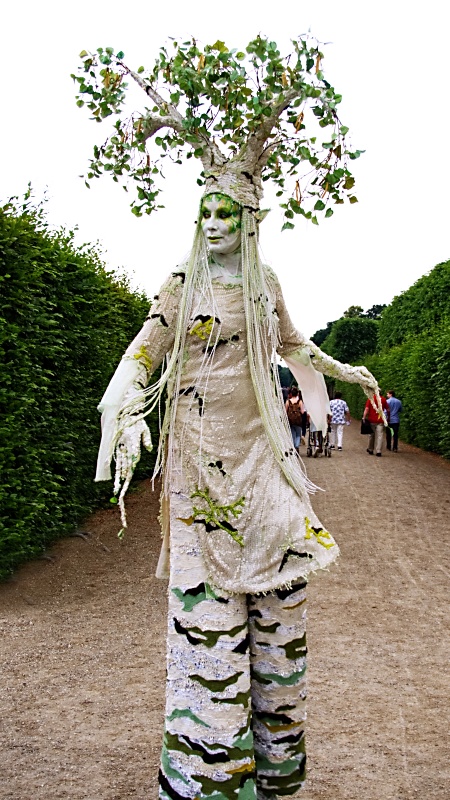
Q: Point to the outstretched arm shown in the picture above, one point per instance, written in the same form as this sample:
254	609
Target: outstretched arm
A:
324	363
327	365
301	354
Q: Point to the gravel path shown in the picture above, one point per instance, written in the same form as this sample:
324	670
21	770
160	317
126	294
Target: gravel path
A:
82	657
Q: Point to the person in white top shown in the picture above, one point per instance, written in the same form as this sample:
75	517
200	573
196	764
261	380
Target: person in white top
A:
340	415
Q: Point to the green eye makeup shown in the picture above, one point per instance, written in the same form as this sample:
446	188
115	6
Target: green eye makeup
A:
227	210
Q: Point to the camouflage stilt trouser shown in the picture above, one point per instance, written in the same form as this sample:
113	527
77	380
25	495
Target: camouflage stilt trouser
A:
235	712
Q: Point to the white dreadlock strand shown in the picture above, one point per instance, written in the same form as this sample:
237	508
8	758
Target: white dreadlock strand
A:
262	333
197	278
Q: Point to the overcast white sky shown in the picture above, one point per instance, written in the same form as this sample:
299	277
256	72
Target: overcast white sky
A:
389	60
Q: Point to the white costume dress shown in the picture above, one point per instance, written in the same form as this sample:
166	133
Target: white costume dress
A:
255	532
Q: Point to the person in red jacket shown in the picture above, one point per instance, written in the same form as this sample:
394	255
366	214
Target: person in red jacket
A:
374	418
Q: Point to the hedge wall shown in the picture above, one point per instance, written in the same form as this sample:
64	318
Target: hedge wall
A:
419	372
425	305
64	324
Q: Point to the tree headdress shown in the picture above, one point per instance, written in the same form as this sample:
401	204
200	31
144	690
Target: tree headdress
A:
244	115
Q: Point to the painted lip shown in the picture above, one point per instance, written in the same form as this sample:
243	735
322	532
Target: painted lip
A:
214	238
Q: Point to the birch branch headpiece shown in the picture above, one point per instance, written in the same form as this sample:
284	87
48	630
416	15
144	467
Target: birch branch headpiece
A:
249	117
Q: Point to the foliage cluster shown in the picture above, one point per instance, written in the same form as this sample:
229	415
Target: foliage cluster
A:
64	324
351	338
353	312
286	377
424	305
214	103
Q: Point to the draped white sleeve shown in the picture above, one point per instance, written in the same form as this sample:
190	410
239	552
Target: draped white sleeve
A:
308	363
312	386
129	374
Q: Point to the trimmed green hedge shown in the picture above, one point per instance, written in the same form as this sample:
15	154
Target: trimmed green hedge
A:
422	307
64	324
419	372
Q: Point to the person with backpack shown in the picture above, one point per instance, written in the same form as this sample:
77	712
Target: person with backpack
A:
295	411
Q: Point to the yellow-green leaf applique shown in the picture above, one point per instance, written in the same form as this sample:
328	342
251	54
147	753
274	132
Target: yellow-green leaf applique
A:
217	517
144	358
202	328
320	534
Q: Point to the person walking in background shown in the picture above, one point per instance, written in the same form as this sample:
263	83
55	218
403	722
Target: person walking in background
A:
376	422
340	414
395	409
294	411
304	424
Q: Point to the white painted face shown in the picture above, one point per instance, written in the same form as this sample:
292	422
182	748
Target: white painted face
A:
221	223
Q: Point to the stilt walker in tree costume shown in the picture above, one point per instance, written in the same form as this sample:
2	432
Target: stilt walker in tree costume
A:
240	535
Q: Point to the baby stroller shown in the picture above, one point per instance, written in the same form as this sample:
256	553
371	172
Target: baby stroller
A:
318	444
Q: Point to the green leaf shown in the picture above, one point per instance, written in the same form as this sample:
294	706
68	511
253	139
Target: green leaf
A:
288	226
356	154
353	199
113	500
83	54
329	212
319	206
120	55
314	220
344	130
140	70
219	46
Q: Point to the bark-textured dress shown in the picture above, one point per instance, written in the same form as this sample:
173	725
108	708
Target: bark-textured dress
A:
242	542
